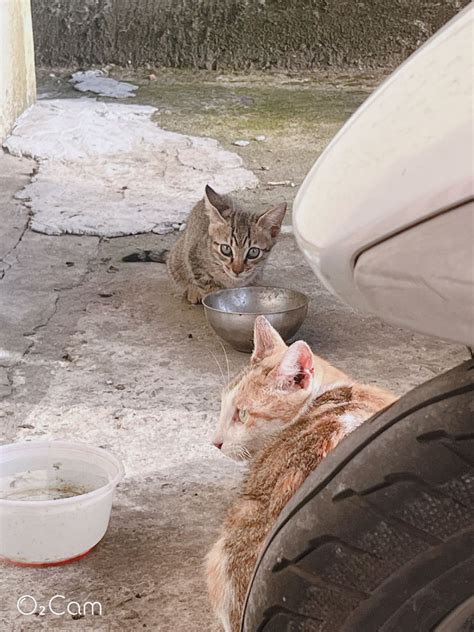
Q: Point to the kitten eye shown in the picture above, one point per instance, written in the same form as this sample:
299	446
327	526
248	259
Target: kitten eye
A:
226	250
253	253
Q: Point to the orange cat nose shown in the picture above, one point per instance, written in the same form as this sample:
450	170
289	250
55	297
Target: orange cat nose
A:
218	445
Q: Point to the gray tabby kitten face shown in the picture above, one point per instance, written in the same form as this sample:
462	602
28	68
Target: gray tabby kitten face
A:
240	240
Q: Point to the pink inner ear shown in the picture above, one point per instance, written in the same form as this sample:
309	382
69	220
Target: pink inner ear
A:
296	369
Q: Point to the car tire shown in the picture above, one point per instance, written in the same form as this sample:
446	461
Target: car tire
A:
380	537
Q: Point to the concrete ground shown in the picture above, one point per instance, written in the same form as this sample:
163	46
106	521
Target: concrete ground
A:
101	351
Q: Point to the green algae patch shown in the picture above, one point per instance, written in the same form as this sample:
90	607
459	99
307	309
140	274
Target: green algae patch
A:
239	107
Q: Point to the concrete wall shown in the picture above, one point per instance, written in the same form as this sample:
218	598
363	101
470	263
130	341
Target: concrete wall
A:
17	70
235	34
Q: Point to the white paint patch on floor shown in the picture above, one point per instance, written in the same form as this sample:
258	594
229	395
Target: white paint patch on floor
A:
96	81
107	169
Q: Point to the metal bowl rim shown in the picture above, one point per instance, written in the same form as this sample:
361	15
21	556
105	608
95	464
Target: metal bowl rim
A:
303	296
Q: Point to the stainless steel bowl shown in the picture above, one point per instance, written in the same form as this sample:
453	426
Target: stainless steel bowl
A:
232	313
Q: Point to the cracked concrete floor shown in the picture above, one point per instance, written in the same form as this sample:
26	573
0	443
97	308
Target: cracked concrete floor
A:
101	351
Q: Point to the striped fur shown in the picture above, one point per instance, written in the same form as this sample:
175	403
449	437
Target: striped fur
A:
197	263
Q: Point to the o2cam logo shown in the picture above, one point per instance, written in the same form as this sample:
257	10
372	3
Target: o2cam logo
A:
58	605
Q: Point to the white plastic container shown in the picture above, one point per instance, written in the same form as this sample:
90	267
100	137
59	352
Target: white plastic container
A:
55	500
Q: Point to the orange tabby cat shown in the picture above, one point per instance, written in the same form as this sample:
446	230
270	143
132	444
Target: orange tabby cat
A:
285	411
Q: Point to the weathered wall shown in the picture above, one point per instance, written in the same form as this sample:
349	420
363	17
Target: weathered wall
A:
17	70
235	34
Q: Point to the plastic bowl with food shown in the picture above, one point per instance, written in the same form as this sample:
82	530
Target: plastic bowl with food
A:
232	313
55	500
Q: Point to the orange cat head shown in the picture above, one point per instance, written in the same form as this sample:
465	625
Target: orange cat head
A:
267	394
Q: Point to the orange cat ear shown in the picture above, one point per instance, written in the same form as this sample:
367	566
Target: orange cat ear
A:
296	369
266	339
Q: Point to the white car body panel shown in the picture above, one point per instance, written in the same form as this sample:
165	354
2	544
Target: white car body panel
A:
406	155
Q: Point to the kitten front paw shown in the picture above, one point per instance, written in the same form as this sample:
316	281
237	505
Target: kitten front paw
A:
194	295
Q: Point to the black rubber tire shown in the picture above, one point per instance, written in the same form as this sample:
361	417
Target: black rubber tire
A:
380	537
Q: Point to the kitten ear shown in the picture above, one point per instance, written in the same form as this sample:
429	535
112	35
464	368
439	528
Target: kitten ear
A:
271	220
215	206
266	340
296	369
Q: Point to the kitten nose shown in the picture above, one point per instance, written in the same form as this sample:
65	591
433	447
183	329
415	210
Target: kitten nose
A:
218	445
238	267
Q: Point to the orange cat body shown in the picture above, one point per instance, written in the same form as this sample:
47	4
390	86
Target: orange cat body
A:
297	408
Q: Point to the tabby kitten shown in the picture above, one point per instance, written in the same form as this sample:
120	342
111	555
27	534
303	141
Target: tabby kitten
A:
223	246
285	411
